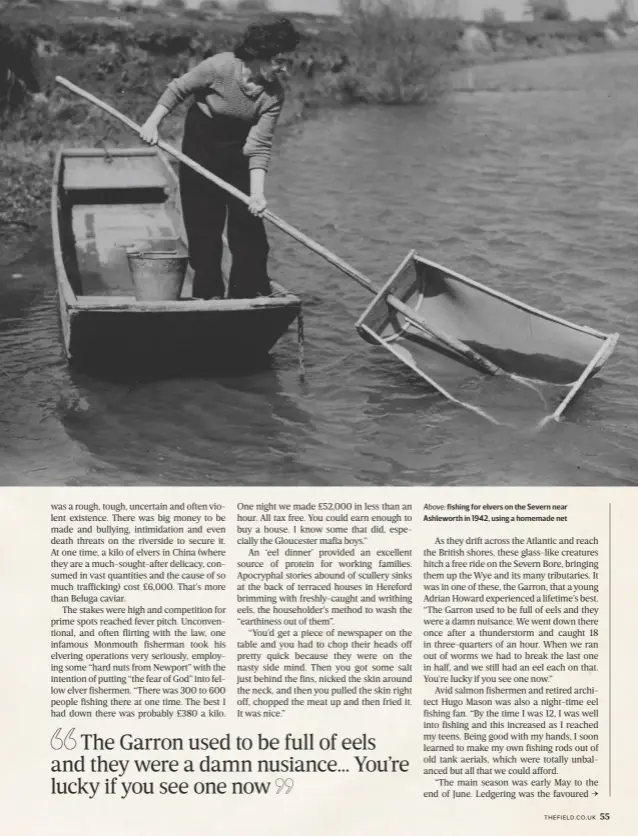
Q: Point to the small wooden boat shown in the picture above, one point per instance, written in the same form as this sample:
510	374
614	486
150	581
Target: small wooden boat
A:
104	202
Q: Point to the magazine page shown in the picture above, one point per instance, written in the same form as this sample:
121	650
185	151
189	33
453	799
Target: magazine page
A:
338	660
318	425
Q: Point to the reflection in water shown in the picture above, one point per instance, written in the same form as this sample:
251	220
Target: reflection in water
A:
196	433
508	189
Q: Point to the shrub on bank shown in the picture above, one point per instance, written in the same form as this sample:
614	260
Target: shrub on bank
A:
586	31
395	56
172	5
547	9
252	6
210	6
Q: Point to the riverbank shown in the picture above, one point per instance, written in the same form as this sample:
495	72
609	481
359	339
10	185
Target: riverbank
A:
131	51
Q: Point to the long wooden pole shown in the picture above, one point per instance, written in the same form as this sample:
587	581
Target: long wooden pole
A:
461	348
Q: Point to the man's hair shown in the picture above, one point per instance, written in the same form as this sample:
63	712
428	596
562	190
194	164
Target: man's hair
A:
264	40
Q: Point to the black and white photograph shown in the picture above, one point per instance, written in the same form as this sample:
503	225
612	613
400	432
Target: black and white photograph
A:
319	243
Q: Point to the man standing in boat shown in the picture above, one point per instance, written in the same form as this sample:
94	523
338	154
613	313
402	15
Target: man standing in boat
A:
229	130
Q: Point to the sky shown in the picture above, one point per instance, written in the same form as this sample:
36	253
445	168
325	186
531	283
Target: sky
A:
468	9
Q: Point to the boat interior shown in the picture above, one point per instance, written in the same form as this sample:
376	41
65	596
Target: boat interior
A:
108	203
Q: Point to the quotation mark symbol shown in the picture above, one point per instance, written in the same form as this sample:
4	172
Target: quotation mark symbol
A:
284	784
68	742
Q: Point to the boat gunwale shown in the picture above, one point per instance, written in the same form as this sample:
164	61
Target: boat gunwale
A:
585	329
120	304
64	285
133	151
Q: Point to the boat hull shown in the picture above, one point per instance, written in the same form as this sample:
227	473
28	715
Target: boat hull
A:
187	340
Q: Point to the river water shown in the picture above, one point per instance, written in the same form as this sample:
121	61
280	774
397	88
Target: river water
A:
527	184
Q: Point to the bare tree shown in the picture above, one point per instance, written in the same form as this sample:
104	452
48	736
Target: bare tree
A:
493	16
253	6
547	9
622	14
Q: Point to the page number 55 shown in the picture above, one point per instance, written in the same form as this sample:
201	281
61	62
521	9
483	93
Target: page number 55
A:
604	816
